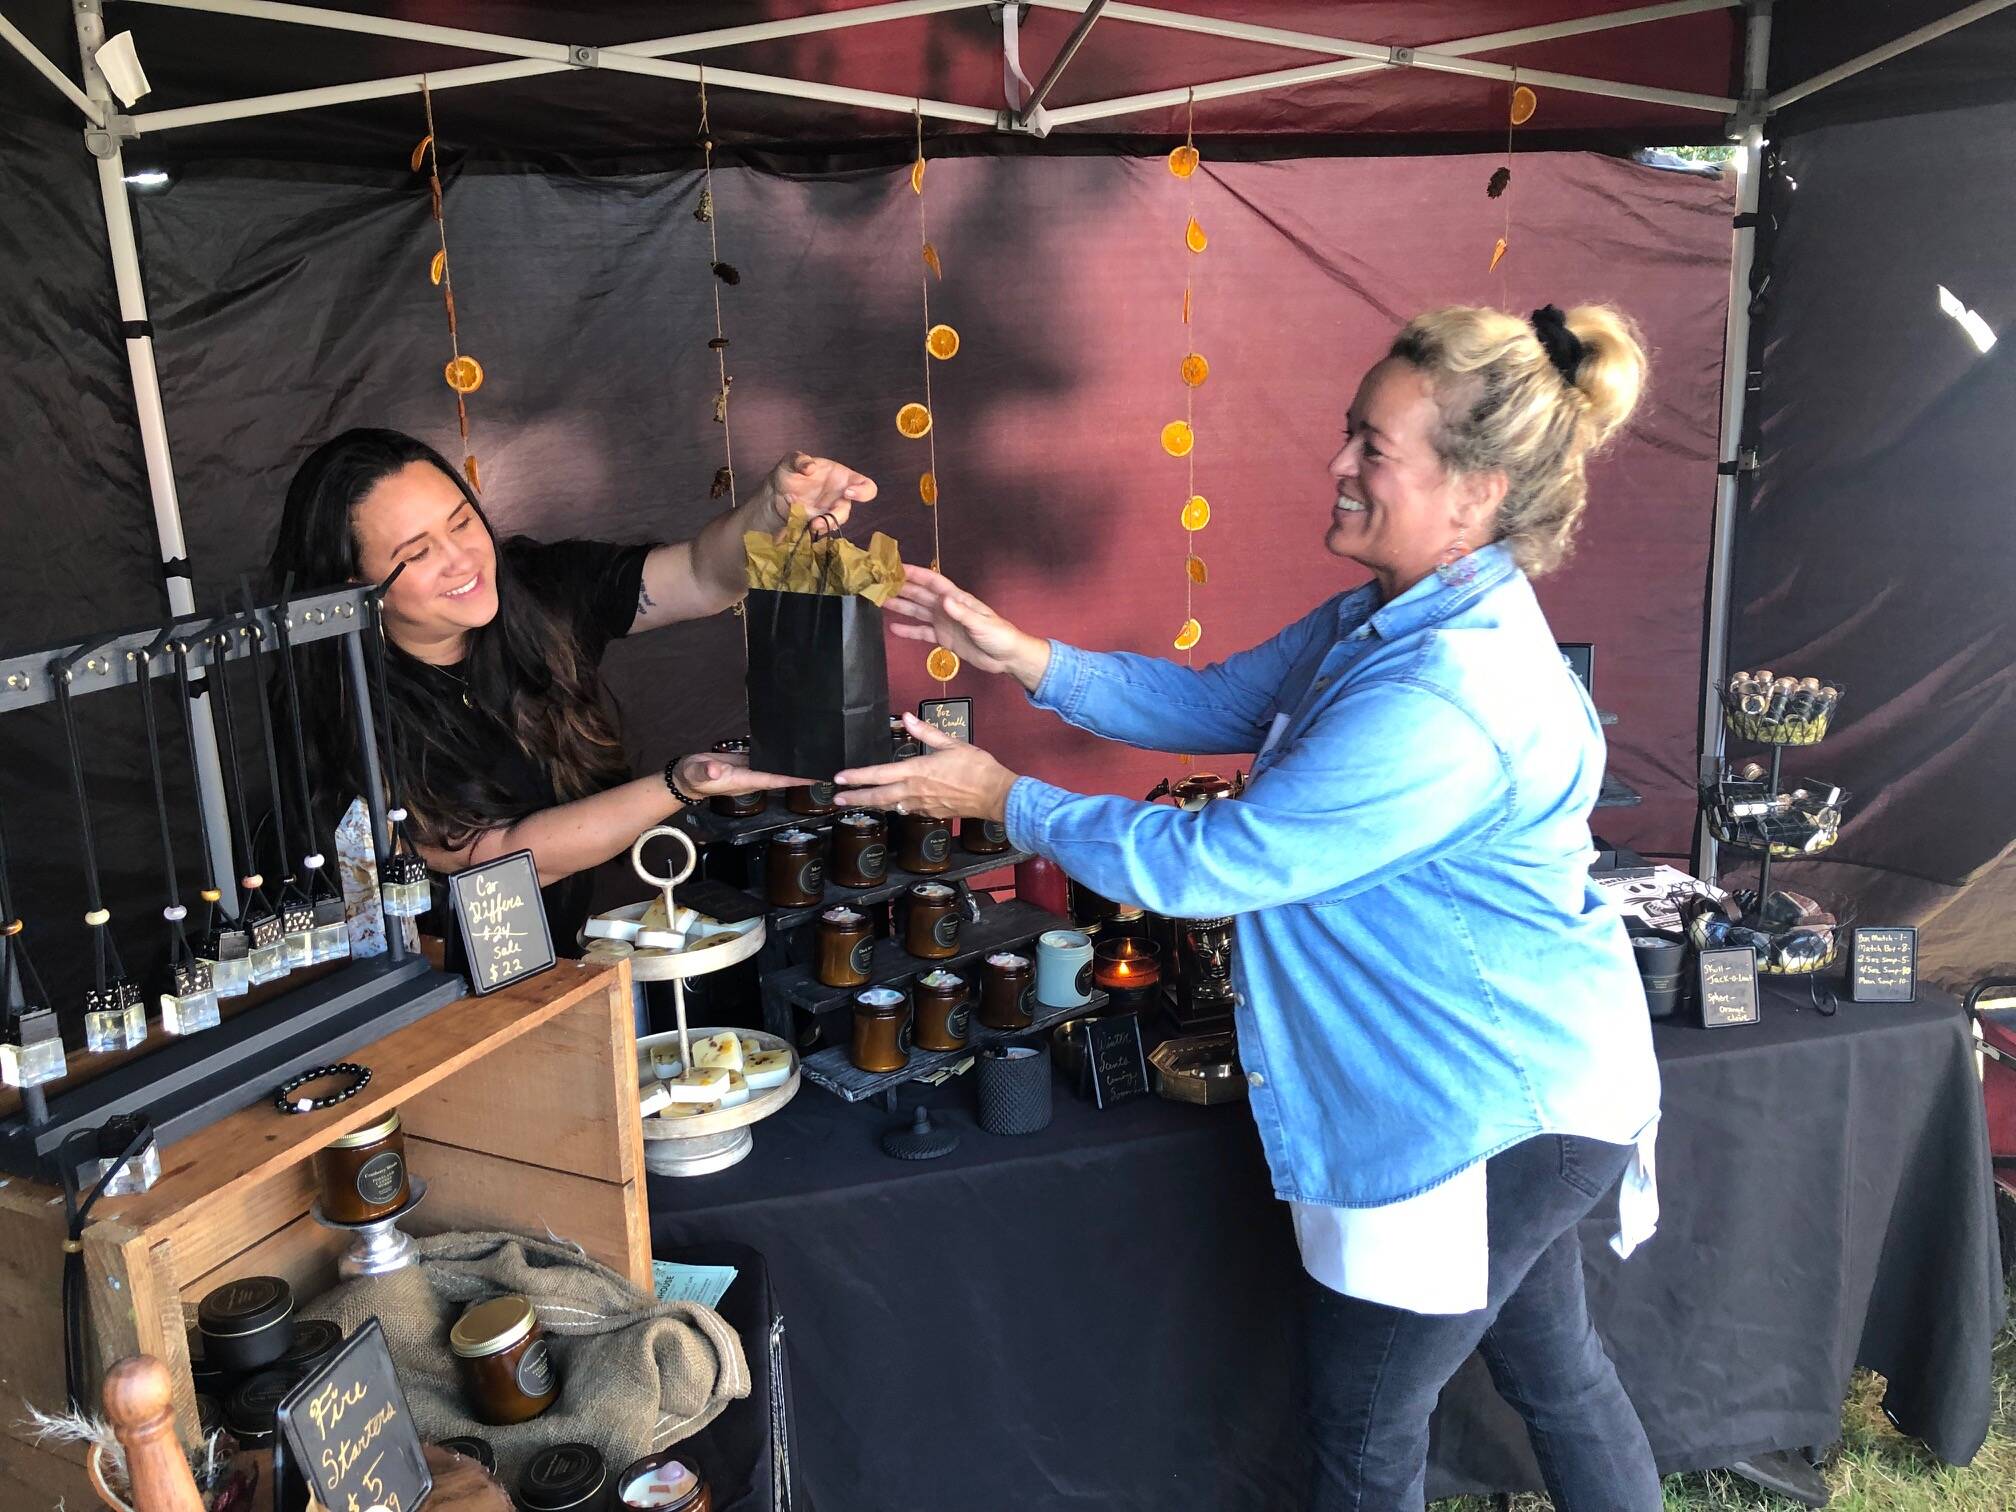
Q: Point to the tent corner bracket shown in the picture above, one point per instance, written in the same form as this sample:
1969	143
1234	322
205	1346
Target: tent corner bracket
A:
103	141
584	57
1400	57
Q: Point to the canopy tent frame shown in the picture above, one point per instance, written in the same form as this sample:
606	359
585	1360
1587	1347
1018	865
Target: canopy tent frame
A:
1746	119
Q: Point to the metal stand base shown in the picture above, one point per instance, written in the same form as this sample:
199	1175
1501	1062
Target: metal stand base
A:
700	1156
381	1246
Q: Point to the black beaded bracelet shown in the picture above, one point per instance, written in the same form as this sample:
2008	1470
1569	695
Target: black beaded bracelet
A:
672	782
287	1103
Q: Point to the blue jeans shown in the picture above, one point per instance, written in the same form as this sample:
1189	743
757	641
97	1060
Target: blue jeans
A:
1374	1371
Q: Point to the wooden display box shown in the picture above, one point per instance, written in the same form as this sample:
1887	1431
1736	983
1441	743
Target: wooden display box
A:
520	1111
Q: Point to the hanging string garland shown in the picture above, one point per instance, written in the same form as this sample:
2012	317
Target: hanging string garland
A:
1524	103
1179	437
463	374
722	273
915	421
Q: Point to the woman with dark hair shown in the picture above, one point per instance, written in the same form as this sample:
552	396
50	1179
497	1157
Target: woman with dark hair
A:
1444	1034
495	705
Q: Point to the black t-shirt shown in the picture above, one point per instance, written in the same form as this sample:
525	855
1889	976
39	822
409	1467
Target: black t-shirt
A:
592	586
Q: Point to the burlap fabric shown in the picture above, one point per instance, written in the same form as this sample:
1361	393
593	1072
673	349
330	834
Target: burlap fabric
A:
636	1374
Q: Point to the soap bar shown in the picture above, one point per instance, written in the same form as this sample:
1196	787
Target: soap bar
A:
737	1093
703	1084
665	1062
769	1068
611	929
723	1050
651	1098
690	1110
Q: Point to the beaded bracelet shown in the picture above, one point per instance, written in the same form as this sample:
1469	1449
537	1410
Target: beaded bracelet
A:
287	1103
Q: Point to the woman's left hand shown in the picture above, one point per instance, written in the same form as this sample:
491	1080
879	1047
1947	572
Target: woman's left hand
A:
952	780
818	486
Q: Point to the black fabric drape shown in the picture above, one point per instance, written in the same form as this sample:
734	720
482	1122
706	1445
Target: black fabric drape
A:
1102	1314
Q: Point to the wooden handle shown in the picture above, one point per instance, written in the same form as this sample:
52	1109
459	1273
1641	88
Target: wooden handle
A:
140	1401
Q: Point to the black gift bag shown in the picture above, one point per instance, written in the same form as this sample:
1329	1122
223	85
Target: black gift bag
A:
818	683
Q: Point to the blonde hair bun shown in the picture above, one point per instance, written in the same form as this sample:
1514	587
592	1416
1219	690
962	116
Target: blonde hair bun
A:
1611	375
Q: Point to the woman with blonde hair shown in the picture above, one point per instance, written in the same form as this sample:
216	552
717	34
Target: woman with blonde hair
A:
1444	1034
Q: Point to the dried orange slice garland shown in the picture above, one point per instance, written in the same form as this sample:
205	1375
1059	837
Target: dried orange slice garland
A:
462	374
1524	103
1179	437
941	344
724	381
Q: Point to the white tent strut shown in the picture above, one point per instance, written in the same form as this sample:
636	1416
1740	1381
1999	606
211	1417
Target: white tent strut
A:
1887	51
39	61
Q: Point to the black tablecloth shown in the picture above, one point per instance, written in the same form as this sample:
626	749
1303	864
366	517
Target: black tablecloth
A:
1102	1315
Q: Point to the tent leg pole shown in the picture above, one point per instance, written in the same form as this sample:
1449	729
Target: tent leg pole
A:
153	422
1735	383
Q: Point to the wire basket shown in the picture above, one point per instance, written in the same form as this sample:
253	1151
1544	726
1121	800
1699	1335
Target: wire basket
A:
1782	711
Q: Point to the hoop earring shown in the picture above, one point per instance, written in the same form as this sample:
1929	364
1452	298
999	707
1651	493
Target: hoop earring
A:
1454	566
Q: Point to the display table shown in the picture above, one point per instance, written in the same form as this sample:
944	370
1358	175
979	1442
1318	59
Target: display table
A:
1103	1314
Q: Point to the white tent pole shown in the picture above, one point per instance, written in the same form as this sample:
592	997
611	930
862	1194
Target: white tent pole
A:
39	61
1735	387
132	296
1888	51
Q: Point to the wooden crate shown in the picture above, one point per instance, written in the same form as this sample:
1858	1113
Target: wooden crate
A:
520	1111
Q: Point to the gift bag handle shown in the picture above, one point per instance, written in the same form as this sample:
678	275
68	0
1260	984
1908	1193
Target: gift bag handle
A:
777	607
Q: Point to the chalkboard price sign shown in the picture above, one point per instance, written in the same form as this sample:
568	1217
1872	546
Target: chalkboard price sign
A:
1114	1059
1883	965
952	715
1728	987
505	937
349	1435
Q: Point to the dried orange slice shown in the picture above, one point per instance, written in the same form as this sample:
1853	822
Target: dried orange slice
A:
1183	161
464	375
1196	512
1194	237
420	152
931	260
1189	635
942	664
1195	369
437	267
1497	255
1199	573
469	470
1178	438
942	342
917	176
1524	103
913	420
927	488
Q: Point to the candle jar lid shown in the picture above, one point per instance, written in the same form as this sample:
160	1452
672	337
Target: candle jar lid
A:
880	1002
846	917
492	1327
562	1478
934	891
470	1447
314	1344
245	1306
370	1134
250	1412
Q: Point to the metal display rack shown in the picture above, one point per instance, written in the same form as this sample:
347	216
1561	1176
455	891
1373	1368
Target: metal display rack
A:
192	1081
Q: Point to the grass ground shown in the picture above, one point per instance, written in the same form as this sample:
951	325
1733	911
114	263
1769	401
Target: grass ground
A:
1876	1468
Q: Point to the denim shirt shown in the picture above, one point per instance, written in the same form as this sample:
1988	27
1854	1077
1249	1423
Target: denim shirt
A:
1426	974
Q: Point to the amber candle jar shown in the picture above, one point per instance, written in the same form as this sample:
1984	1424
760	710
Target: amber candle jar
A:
507	1370
363	1173
860	849
735	805
1007	991
663	1482
846	947
881	1030
813	801
794	868
944	1011
924	844
983	837
931	932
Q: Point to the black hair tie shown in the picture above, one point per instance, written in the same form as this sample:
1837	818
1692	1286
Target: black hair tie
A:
1564	347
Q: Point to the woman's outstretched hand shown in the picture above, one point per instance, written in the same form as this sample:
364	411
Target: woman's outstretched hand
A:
818	486
951	780
932	608
719	774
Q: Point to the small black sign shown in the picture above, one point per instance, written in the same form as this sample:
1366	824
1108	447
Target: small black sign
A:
1114	1059
1883	964
1581	659
502	920
347	1431
1728	987
952	715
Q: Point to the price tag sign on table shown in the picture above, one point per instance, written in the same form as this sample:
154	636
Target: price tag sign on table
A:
1114	1060
347	1432
505	937
1728	987
1883	965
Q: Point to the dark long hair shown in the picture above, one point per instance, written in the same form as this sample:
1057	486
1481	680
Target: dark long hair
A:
525	669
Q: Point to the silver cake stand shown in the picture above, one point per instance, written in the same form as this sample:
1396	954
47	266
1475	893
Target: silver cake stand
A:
380	1246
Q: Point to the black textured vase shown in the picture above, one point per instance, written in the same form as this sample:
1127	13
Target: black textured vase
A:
1014	1089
